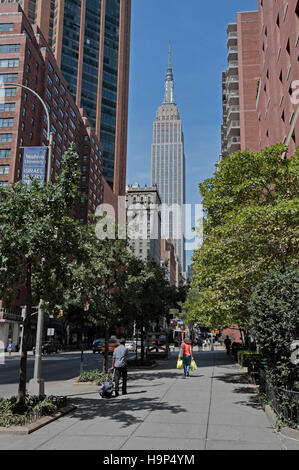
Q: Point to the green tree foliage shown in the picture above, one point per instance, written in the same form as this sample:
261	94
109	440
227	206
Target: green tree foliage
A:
102	277
251	227
37	238
274	309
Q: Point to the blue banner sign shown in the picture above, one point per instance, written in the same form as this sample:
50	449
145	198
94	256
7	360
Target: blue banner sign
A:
34	163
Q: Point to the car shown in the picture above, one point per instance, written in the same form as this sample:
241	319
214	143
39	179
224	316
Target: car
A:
113	344
130	345
97	345
49	347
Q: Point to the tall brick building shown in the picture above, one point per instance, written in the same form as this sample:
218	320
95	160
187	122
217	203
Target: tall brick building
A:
258	86
279	46
90	40
26	59
239	85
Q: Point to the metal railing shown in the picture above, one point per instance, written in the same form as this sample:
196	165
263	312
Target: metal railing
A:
285	403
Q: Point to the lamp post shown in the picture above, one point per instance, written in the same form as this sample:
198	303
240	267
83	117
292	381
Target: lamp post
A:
36	385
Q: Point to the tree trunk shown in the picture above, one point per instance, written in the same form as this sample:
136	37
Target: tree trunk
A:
142	339
26	336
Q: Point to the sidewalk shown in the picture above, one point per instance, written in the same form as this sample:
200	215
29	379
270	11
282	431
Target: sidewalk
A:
215	409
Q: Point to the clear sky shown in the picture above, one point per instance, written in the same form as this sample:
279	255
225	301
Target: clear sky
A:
197	32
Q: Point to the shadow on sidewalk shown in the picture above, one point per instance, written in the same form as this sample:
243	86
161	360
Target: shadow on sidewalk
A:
124	411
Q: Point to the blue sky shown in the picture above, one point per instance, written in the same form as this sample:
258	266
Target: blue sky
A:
197	32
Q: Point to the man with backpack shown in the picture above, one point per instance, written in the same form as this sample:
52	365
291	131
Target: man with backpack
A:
119	365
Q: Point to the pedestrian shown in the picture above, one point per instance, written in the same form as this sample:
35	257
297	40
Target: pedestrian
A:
10	347
186	354
119	365
227	344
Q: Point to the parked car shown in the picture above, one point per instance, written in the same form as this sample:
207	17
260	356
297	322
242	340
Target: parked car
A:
130	345
48	348
113	344
97	345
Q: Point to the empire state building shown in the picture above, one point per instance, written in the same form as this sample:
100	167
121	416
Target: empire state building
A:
168	166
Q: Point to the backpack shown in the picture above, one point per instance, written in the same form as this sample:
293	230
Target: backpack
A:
107	389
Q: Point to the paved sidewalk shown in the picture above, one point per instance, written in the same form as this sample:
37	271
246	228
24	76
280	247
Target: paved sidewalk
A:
215	409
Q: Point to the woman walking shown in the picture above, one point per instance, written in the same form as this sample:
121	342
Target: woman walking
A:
187	354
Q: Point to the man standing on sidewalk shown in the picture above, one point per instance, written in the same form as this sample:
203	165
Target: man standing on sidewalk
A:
227	343
119	364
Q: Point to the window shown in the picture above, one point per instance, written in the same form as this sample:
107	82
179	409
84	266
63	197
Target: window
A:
5	63
4	169
5	153
7	107
8	77
6	122
9	47
6	27
8	92
50	67
49	94
4	183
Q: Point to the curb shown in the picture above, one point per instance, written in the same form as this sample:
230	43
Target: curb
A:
21	430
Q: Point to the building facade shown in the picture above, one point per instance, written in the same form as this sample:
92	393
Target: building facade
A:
144	222
168	167
169	260
239	86
260	86
90	40
27	60
278	111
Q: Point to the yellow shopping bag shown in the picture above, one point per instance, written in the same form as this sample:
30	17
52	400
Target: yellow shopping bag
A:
179	364
193	365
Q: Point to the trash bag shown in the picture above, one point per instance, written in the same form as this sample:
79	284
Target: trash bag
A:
179	364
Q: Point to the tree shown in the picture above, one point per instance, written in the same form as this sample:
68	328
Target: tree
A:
250	228
37	238
101	277
274	308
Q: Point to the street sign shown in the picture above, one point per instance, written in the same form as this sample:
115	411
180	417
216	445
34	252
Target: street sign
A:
34	163
50	332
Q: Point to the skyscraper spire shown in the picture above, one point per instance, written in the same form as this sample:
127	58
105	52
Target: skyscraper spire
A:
169	82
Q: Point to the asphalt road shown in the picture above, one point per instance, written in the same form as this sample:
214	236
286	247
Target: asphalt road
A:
55	367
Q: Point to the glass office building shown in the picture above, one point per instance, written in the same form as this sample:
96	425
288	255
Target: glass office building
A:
91	42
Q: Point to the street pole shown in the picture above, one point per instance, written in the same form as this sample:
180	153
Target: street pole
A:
36	385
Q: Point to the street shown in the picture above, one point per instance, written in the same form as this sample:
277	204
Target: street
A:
55	368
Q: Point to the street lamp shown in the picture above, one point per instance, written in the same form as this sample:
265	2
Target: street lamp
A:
36	385
49	133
